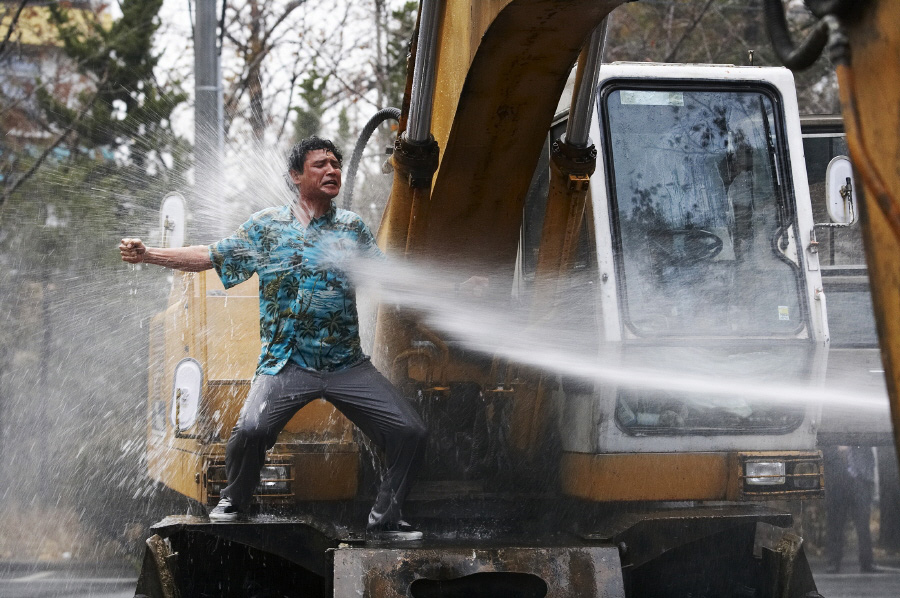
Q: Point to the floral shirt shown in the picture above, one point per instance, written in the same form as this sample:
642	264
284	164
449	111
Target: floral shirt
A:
307	305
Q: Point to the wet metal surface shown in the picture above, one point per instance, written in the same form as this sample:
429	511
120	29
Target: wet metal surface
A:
583	572
301	541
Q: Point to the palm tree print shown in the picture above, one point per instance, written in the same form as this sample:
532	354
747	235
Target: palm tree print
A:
333	321
307	305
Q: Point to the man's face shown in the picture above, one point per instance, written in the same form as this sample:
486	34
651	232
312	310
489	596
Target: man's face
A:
321	176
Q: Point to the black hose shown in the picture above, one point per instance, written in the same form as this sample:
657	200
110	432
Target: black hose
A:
795	58
379	117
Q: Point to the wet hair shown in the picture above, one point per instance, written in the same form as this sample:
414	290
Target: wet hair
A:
297	157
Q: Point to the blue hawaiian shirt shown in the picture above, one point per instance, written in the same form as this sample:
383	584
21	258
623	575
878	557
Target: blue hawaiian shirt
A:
307	304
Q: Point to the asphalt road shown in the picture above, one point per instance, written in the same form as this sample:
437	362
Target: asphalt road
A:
850	583
66	582
104	582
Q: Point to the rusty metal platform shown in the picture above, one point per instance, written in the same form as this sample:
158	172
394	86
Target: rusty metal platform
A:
421	572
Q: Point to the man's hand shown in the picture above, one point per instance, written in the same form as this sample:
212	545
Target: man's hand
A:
132	250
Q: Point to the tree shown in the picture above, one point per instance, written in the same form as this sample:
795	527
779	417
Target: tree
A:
128	109
715	31
75	370
256	30
117	106
308	119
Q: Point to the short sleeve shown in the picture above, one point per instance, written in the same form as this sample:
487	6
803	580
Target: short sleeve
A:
235	258
366	242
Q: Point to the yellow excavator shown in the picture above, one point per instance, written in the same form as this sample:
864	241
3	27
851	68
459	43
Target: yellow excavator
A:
661	213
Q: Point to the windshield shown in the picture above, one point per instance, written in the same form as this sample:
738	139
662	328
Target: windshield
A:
705	410
703	223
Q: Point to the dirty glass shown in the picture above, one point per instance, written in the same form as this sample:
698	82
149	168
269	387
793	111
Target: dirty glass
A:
706	411
706	249
704	229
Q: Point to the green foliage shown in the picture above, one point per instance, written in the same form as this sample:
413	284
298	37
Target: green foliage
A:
74	369
343	139
123	105
313	89
715	32
400	32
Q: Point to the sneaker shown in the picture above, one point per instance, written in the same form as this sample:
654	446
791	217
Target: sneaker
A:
400	531
226	511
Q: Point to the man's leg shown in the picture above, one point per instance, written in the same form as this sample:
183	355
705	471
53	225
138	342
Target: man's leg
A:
272	401
861	512
371	402
836	511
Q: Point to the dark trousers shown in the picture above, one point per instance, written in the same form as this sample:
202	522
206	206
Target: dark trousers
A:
362	394
848	498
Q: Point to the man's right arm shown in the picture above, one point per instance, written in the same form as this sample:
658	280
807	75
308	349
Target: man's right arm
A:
189	259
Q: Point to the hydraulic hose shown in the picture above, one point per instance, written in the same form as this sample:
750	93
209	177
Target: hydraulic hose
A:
379	117
795	58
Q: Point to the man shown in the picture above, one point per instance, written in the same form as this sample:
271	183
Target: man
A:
310	333
850	471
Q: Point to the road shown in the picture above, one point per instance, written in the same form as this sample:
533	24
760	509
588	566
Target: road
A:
860	585
852	584
106	582
22	581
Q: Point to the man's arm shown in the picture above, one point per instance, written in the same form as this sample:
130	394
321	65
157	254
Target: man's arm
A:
189	259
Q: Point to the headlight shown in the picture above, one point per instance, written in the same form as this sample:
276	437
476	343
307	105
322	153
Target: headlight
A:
806	475
764	473
274	479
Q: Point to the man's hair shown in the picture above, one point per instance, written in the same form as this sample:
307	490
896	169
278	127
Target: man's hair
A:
297	157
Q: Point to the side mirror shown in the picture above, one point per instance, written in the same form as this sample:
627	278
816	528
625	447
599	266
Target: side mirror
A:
172	217
840	191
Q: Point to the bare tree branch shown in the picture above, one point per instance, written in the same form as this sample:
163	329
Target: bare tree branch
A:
59	139
687	32
12	26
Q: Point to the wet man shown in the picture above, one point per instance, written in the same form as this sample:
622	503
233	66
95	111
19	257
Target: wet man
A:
310	333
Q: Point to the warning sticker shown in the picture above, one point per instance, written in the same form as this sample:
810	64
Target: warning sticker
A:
783	312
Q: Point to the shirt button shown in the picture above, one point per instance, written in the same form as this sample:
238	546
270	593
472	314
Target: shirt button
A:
306	259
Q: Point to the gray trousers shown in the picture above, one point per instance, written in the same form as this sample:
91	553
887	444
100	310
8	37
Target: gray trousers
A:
362	394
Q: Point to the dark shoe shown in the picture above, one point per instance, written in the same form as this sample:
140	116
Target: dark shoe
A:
226	511
400	531
871	569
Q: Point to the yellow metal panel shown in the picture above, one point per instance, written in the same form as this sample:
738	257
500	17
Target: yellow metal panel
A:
325	476
319	422
221	406
177	469
462	27
646	476
232	329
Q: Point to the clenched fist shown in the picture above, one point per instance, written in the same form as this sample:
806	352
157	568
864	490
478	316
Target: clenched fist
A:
132	250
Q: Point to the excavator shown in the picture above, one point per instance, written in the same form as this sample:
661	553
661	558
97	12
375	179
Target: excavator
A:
660	217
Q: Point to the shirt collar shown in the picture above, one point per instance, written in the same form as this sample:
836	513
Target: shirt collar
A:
327	217
285	214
